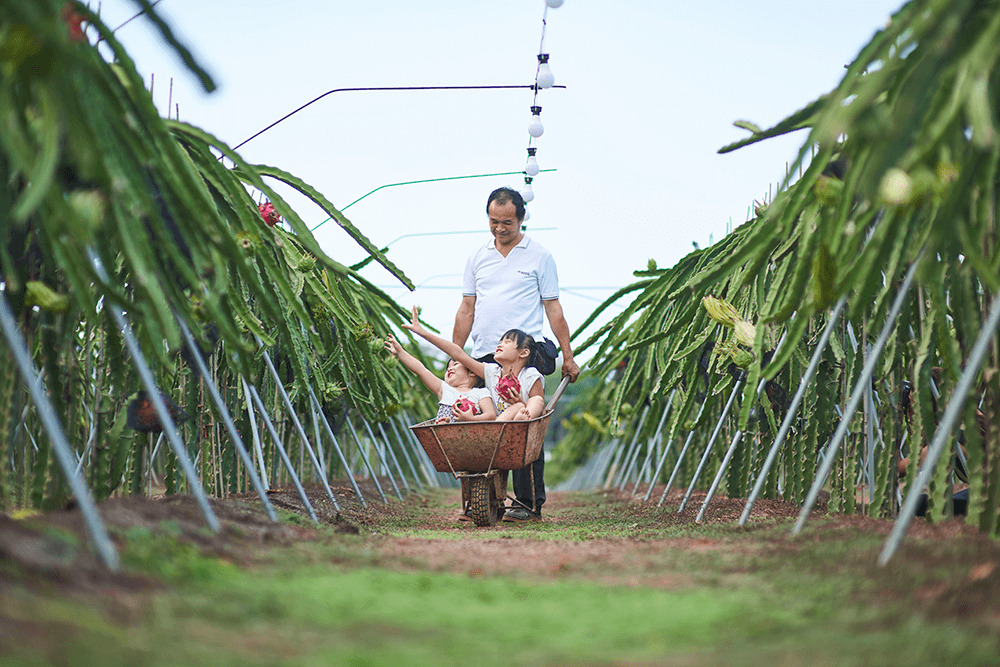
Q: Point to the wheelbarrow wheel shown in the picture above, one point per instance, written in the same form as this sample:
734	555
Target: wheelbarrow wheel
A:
483	501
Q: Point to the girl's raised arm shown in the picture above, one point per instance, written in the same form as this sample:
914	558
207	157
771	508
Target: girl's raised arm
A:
446	346
430	380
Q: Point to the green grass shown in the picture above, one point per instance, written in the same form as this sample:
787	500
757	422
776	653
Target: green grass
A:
368	616
763	598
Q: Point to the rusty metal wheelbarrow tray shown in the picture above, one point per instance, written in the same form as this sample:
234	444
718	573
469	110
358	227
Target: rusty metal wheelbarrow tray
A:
478	447
482	446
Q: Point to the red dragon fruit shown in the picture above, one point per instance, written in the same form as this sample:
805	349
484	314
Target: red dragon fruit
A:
465	405
509	389
267	212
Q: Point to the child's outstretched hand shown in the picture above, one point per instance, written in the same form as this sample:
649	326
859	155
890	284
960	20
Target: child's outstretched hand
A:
414	325
393	345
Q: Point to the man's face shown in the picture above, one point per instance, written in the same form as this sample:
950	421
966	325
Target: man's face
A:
504	225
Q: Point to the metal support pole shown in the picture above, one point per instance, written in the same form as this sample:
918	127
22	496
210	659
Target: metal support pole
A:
786	424
318	440
364	457
392	455
406	442
732	446
281	448
617	448
153	392
595	467
318	409
711	441
651	443
220	405
612	470
944	430
406	455
869	433
718	476
856	395
633	450
680	455
659	467
298	424
64	453
425	463
258	448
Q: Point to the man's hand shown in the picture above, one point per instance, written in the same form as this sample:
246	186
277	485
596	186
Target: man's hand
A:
570	368
553	310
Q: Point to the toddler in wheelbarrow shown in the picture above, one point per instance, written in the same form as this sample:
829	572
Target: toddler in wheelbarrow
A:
478	451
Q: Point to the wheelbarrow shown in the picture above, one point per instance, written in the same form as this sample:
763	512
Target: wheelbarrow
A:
480	454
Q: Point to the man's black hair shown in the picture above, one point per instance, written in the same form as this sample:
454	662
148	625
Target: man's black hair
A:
507	195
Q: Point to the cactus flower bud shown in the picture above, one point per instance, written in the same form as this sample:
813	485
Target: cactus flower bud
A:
896	187
724	313
39	294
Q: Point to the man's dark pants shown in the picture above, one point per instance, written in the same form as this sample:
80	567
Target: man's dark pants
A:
522	478
522	484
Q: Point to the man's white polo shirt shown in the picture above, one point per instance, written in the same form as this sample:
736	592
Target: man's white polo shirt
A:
509	291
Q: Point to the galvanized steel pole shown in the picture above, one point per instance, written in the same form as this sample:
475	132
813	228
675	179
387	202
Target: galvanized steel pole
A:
856	395
92	519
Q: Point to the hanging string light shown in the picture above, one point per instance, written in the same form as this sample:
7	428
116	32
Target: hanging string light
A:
527	194
544	79
535	128
531	166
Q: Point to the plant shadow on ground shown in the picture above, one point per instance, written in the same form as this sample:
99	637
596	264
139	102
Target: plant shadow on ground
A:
603	579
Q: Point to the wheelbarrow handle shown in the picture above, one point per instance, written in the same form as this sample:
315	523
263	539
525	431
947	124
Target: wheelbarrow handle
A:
559	392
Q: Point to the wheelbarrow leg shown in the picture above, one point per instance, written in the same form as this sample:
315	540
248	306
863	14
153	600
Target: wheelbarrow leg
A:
466	495
534	498
501	494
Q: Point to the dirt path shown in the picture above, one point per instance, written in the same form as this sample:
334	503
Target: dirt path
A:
604	538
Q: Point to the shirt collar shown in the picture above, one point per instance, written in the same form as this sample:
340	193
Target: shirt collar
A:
523	243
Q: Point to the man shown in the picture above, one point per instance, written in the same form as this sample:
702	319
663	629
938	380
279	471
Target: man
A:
508	284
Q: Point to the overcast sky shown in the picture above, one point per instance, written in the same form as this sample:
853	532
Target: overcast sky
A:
652	90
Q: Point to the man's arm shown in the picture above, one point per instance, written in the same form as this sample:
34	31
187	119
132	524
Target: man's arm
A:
463	320
554	313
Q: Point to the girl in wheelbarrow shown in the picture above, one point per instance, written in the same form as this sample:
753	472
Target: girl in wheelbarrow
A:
461	396
514	383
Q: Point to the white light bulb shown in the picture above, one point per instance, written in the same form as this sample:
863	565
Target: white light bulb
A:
554	4
544	79
535	128
527	194
527	215
531	168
